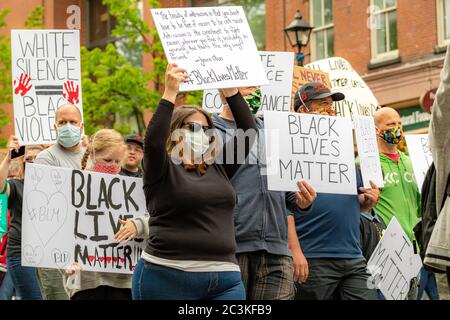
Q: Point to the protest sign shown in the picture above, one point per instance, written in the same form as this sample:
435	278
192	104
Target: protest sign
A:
359	99
420	154
393	263
304	75
315	148
214	44
72	215
276	95
46	74
368	151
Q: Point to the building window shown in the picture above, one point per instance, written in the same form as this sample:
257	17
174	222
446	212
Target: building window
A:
443	21
100	26
384	30
255	11
322	40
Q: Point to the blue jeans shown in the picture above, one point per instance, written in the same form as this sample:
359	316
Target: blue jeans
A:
7	287
155	282
24	279
428	284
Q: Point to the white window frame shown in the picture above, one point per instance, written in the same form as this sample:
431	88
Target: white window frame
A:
319	29
389	55
442	42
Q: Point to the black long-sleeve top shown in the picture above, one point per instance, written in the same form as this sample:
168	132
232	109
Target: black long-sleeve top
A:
191	215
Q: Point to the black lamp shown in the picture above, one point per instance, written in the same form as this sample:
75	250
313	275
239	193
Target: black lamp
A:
298	33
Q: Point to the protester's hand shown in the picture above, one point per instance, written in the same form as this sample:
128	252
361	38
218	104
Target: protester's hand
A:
229	92
306	195
301	270
127	232
174	77
369	197
75	267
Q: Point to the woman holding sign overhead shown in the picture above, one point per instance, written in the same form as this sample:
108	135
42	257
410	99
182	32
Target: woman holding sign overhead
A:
190	252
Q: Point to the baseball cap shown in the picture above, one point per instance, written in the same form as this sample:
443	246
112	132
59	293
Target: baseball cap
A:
314	91
135	138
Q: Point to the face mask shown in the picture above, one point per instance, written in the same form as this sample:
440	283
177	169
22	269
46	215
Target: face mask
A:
392	136
69	135
105	168
198	141
254	101
325	111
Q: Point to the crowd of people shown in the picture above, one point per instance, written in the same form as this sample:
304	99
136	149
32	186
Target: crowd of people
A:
213	229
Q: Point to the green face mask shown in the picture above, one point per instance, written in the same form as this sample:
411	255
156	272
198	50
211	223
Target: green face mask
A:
254	101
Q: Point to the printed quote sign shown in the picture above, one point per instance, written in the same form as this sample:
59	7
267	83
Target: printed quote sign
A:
72	215
420	154
359	99
393	263
368	151
214	44
276	95
315	148
46	74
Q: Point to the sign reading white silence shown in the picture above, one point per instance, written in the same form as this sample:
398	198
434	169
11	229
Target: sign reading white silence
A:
368	151
46	74
276	96
393	263
420	154
214	44
71	215
315	148
359	99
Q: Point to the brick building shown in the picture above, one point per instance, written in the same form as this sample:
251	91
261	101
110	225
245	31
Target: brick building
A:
397	46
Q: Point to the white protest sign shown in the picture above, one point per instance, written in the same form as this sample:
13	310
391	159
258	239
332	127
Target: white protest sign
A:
46	74
368	151
71	215
214	44
359	99
315	148
420	155
276	96
393	263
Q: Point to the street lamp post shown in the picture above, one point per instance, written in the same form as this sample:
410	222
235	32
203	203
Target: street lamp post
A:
298	33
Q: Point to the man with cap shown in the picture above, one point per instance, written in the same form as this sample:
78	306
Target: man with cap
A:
330	234
135	154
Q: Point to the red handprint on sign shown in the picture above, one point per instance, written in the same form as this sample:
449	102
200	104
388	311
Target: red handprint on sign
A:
72	92
23	87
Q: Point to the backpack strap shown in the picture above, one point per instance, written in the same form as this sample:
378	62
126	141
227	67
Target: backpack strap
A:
447	191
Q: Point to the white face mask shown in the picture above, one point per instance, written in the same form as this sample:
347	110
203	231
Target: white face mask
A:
198	141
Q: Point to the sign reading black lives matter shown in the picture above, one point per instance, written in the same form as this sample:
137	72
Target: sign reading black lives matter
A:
315	148
71	215
46	74
214	44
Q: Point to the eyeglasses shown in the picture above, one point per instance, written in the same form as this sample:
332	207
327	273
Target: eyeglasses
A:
195	126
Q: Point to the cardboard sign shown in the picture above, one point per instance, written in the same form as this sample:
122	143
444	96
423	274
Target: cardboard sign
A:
46	74
420	155
276	95
368	151
359	99
305	75
393	263
214	44
315	148
72	215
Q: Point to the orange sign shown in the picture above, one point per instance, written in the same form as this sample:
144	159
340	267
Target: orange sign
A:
305	75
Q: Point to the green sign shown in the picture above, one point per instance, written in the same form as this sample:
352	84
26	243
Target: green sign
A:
414	118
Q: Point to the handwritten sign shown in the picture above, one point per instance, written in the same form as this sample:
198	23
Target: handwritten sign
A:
310	147
420	154
46	74
276	95
368	151
359	99
393	263
214	44
71	215
303	76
